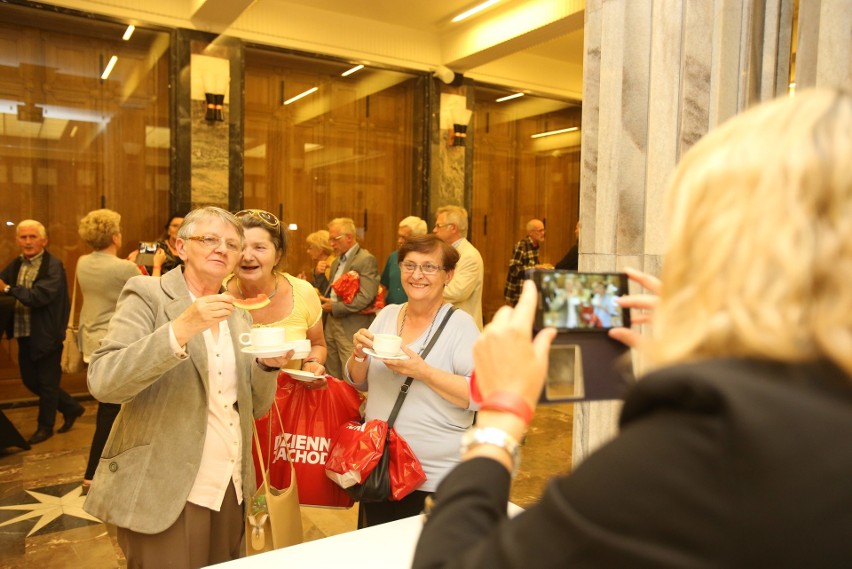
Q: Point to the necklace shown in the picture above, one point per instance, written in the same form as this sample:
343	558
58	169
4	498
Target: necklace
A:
428	333
273	293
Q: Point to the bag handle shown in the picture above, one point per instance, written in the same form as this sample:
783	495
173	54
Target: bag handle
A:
403	389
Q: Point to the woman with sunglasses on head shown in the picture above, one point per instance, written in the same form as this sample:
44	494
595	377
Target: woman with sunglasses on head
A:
294	304
437	409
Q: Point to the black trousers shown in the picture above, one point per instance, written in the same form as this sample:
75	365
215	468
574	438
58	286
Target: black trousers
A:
375	513
107	412
42	377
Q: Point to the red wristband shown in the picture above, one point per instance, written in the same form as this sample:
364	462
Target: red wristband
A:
510	403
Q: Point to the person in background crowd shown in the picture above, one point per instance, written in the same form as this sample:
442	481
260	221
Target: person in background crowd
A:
465	290
571	260
524	256
102	276
734	450
177	467
37	281
437	408
344	319
167	244
322	255
411	226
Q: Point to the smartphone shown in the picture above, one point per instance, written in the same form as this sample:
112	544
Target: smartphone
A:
146	253
580	302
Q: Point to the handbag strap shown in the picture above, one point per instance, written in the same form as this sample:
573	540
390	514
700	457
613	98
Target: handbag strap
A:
73	301
403	389
264	469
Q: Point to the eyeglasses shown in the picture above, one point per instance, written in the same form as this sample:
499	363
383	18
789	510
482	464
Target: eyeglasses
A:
440	225
267	218
425	268
338	238
212	241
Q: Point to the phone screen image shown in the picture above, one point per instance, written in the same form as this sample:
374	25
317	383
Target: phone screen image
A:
570	300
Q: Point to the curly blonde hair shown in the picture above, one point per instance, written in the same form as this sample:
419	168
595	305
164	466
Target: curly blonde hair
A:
759	261
319	239
98	227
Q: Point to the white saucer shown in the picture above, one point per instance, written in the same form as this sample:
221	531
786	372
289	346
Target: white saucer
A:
266	351
399	356
302	375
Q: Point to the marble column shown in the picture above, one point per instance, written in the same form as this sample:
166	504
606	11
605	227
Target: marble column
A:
657	76
450	175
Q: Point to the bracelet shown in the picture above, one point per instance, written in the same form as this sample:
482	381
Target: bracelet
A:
357	359
265	367
510	403
311	361
477	436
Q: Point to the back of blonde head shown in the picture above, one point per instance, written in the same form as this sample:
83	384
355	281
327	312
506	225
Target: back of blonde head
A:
759	262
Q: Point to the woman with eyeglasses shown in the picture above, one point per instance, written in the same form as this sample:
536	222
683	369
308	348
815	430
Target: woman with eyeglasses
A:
438	408
177	467
294	304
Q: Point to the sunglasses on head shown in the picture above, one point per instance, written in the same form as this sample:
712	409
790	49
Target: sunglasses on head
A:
267	218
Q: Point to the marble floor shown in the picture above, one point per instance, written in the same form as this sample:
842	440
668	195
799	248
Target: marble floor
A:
43	525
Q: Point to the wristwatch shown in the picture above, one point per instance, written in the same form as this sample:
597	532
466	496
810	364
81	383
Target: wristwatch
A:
265	367
476	436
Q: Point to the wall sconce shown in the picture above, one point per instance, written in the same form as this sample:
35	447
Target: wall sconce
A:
458	133
215	107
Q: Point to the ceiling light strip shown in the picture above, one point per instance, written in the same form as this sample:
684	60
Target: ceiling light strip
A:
300	95
128	32
474	10
552	132
509	97
351	71
109	66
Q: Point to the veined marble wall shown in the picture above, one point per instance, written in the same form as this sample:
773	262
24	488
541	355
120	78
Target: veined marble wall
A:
657	75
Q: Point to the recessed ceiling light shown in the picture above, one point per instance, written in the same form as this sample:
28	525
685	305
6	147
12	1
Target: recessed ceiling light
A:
128	32
109	66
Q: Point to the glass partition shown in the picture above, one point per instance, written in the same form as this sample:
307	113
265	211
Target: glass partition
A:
322	143
84	124
526	165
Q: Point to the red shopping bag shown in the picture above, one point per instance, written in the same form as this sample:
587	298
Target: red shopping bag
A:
406	472
356	451
310	418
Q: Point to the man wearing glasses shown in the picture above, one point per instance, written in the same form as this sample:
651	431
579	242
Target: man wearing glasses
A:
465	290
524	257
345	319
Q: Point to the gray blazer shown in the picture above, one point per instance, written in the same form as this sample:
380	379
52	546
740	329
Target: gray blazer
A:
153	453
364	263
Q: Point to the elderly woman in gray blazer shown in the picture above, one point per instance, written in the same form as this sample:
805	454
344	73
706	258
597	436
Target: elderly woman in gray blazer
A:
177	467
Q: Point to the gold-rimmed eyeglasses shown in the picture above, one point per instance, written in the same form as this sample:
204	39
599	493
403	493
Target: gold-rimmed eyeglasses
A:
213	241
425	268
267	218
441	225
338	238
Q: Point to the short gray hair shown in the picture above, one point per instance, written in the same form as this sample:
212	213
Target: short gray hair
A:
207	212
415	224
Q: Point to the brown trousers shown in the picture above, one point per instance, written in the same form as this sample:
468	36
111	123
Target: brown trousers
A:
198	538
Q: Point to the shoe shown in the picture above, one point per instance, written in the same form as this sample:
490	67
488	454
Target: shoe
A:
41	435
69	419
84	489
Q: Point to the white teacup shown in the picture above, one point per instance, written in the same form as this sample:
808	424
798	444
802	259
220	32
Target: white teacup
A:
301	348
271	337
387	344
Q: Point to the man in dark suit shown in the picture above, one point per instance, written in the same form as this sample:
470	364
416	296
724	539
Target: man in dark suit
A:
344	319
36	279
